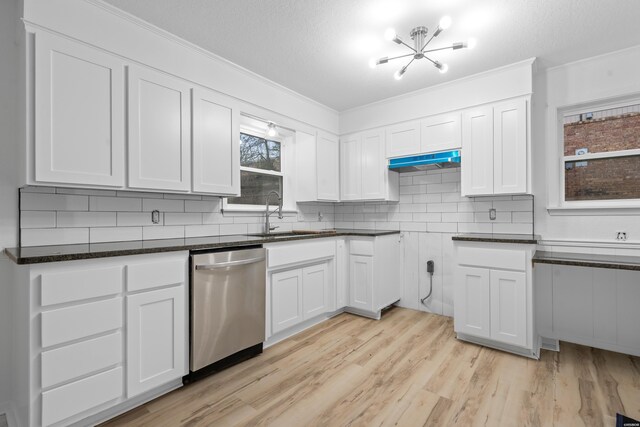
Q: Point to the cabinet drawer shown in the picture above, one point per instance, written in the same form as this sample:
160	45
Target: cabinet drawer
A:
155	274
75	360
72	399
80	321
75	285
507	259
300	252
361	247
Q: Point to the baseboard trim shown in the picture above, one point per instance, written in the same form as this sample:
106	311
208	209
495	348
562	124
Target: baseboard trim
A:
530	353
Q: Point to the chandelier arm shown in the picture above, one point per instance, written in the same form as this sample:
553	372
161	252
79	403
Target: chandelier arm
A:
402	41
401	56
430	60
440	48
428	41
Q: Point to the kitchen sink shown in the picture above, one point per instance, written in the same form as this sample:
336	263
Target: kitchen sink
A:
294	233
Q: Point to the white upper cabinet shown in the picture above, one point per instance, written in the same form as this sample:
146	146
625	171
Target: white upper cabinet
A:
79	114
510	147
374	165
403	139
363	168
495	156
477	151
159	131
317	167
351	167
440	133
216	144
328	167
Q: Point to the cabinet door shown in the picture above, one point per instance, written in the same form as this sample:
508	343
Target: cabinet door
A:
374	166
472	310
286	299
216	144
477	152
440	133
79	114
315	290
510	147
351	168
159	131
342	274
509	307
403	139
327	167
156	339
361	282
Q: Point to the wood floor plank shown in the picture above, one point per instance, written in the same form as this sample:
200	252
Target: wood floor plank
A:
406	369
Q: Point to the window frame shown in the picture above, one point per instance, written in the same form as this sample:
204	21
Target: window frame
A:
558	205
260	133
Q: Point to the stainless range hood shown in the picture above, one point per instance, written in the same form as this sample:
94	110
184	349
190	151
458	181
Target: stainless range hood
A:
443	160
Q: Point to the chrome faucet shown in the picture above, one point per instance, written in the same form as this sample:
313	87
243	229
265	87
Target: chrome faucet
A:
267	228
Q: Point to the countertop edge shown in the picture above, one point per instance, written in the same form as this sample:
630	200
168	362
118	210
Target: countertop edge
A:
532	241
43	259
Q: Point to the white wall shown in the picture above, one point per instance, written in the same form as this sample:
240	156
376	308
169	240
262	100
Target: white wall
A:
9	144
598	78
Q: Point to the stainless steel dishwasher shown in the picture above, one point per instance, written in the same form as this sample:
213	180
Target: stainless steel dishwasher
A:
227	308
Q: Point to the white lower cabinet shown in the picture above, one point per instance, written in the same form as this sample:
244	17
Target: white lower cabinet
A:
104	331
361	282
298	295
493	298
155	339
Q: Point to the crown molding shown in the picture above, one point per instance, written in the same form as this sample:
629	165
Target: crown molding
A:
200	50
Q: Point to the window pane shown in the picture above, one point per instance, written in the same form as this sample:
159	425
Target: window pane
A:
603	179
607	130
255	187
259	153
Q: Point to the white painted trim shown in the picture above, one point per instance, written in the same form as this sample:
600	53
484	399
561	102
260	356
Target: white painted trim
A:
9	409
602	155
428	89
590	244
192	46
595	210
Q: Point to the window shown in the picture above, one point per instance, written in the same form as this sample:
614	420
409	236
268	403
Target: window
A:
601	156
260	170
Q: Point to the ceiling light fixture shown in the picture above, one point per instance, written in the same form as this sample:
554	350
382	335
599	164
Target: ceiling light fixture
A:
419	49
271	130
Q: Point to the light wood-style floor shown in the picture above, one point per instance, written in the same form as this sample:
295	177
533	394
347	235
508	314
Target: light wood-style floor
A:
406	369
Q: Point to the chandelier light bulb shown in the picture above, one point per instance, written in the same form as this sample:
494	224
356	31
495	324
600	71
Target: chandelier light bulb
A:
398	74
443	68
471	43
271	131
373	62
390	34
445	22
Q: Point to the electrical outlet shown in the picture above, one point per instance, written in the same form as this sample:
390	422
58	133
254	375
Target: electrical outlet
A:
492	214
621	235
319	216
155	217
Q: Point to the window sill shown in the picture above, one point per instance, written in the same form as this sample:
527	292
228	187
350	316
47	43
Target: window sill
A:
593	210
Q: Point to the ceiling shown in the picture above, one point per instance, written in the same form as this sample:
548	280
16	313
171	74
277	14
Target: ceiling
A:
321	48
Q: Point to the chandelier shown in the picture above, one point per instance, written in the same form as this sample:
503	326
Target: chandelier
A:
419	49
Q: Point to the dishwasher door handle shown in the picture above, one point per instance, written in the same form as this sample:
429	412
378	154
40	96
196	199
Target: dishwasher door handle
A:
229	264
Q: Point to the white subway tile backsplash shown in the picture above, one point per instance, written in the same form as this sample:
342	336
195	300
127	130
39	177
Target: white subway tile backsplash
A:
153	233
442	207
86	219
475	227
172	218
520	217
513	228
37	219
413	226
216	218
162	205
182	196
513	205
139	195
201	206
115	234
86	192
130	219
201	230
54	236
53	202
115	204
500	217
427	179
448	187
427	217
227	229
442	227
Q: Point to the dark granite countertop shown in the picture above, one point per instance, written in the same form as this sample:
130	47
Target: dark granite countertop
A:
43	254
531	239
616	262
